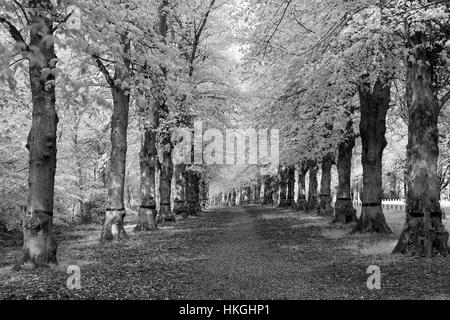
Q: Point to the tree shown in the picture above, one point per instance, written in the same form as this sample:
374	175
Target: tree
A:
41	17
312	190
290	185
148	159
301	197
267	190
374	106
425	33
324	207
344	211
283	185
118	81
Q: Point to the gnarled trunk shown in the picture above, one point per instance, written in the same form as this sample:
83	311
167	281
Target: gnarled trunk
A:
374	107
423	233
115	212
312	194
39	245
325	208
344	211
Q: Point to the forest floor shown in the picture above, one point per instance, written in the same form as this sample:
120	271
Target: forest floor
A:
248	252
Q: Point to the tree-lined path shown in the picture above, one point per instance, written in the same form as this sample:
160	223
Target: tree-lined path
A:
240	253
224	148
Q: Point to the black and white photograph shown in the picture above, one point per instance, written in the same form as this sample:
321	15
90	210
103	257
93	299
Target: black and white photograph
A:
213	158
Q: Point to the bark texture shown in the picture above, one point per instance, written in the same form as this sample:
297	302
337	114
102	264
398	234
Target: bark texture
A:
39	245
374	106
113	228
424	234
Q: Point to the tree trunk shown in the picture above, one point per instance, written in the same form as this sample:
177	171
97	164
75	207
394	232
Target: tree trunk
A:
344	211
424	234
301	197
267	195
165	184
180	190
312	194
165	145
115	212
250	195
276	190
234	198
39	245
374	107
283	186
290	186
192	192
325	208
240	196
257	192
148	158
203	193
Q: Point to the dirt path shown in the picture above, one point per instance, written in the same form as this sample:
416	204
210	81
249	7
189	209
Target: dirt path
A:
245	262
246	252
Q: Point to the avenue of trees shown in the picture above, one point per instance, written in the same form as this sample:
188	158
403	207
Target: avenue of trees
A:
151	66
99	86
325	68
333	74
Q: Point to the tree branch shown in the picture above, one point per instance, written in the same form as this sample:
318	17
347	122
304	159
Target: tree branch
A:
22	9
63	21
301	24
445	98
197	36
104	70
15	34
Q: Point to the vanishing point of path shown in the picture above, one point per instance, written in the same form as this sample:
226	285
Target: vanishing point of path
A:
248	252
